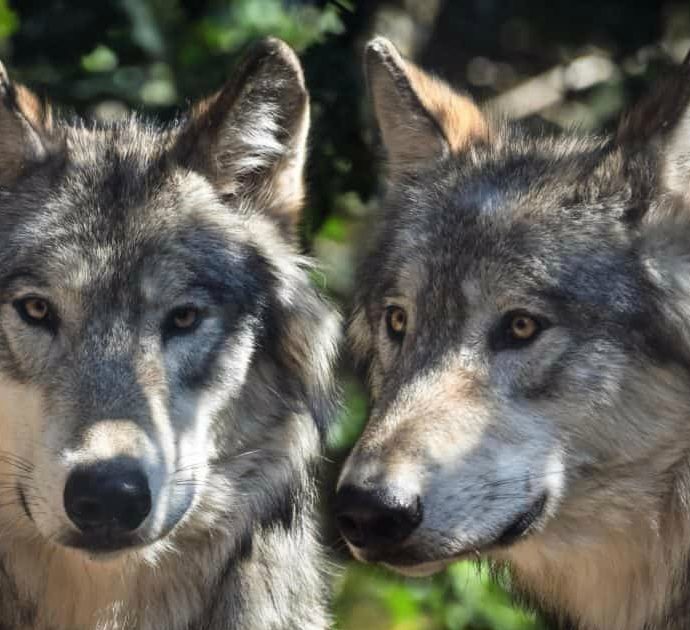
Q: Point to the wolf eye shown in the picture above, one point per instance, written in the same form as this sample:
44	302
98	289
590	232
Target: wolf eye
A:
518	329
34	311
396	322
185	317
523	327
183	320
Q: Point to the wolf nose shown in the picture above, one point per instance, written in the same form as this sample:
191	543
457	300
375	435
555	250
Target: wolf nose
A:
376	517
109	496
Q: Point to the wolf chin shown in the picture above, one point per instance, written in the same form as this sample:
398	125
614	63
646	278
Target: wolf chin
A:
165	365
526	336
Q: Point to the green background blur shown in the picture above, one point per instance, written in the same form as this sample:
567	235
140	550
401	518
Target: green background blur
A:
569	62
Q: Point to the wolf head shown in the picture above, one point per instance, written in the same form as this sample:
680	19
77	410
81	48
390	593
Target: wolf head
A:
164	361
523	318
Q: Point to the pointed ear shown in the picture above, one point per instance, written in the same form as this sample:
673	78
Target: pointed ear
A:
25	122
662	120
250	138
420	117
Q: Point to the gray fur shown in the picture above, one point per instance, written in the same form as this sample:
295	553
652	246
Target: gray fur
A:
116	226
592	236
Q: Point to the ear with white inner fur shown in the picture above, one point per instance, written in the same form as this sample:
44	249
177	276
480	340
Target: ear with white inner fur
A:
662	120
24	123
250	138
420	117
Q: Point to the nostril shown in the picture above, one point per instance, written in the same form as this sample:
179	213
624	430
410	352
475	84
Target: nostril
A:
346	523
87	509
107	497
376	518
387	526
136	512
350	529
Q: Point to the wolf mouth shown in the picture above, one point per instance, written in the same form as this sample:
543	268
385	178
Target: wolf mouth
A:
408	558
102	543
523	523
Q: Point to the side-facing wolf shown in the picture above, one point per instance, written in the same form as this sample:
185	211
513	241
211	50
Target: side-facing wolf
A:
524	315
165	365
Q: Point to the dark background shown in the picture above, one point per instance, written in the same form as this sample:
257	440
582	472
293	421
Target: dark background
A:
570	63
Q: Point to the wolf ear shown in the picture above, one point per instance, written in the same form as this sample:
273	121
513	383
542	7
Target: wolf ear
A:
420	117
250	138
662	120
24	123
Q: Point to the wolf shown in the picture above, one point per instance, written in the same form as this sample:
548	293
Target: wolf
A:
523	315
165	364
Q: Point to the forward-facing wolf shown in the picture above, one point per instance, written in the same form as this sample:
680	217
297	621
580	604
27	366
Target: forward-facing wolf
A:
524	316
165	365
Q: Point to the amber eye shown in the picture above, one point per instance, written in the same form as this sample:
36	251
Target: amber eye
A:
396	322
516	330
36	308
33	310
523	327
182	320
185	318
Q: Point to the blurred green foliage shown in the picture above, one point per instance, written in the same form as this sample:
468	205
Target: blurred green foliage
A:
9	22
462	598
103	58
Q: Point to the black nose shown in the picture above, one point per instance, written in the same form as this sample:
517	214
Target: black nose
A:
377	517
108	496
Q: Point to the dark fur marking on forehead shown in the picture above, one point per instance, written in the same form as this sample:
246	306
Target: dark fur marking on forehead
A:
126	178
117	180
488	194
531	209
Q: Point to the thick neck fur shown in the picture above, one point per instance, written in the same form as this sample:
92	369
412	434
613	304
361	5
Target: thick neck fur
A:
624	571
272	581
276	584
638	583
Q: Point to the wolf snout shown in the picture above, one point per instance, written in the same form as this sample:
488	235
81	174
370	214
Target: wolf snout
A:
374	518
111	499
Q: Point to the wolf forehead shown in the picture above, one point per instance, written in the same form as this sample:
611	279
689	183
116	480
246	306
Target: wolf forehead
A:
111	202
528	215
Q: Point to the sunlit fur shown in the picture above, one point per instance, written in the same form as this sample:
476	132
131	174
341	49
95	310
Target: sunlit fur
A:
592	235
116	226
